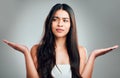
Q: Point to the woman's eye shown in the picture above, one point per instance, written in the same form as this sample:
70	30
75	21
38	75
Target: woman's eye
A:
54	19
65	20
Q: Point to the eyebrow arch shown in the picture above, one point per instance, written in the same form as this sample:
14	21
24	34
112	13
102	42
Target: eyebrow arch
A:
59	17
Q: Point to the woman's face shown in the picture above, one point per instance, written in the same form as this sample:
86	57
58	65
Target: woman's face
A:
61	23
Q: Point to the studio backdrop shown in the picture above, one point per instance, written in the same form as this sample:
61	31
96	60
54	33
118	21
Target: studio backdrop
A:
98	26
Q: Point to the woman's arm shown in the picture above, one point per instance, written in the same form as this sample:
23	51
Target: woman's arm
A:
87	72
30	67
83	58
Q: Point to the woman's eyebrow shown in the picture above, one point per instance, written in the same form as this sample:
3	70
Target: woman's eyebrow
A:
61	17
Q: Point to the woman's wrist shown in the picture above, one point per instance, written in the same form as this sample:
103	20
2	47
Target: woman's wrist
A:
26	53
93	55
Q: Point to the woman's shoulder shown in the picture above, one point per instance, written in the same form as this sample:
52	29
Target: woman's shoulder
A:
82	51
35	46
34	49
81	48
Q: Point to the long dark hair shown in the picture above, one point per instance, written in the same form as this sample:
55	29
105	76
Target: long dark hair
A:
46	49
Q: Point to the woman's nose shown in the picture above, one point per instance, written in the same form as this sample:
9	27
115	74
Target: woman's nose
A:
60	23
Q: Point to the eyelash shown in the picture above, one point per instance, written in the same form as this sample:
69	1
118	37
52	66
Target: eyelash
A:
65	20
54	19
57	19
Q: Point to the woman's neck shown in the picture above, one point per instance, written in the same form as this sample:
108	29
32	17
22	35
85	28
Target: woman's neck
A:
60	42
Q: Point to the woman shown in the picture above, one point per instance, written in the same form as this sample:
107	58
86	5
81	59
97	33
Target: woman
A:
58	54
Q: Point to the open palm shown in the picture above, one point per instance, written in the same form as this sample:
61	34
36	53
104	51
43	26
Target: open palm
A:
100	52
19	47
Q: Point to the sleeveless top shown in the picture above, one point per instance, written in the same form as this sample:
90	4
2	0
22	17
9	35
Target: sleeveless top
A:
61	71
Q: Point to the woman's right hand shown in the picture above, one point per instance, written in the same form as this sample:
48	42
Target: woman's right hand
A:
19	47
31	71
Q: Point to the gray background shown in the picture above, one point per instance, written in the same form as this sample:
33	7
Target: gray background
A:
98	25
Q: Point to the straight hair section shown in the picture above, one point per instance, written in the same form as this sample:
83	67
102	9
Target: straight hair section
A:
46	49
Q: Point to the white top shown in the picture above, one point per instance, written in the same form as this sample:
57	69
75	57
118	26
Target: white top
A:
61	71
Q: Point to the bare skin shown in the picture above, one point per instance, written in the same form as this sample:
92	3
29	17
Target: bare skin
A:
30	65
87	72
60	28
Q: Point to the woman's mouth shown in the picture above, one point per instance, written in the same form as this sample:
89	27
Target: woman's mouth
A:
59	30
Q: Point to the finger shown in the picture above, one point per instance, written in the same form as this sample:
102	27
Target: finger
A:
5	41
108	49
112	48
115	47
10	43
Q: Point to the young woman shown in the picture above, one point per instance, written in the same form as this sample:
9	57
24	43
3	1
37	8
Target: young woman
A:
58	54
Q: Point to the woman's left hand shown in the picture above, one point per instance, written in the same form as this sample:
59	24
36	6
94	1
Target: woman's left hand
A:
100	52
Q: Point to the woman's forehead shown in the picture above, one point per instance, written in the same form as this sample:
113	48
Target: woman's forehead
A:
61	14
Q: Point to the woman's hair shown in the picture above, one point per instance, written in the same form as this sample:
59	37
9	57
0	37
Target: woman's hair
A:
46	50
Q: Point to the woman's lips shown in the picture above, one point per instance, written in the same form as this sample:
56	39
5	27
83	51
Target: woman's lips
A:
59	30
